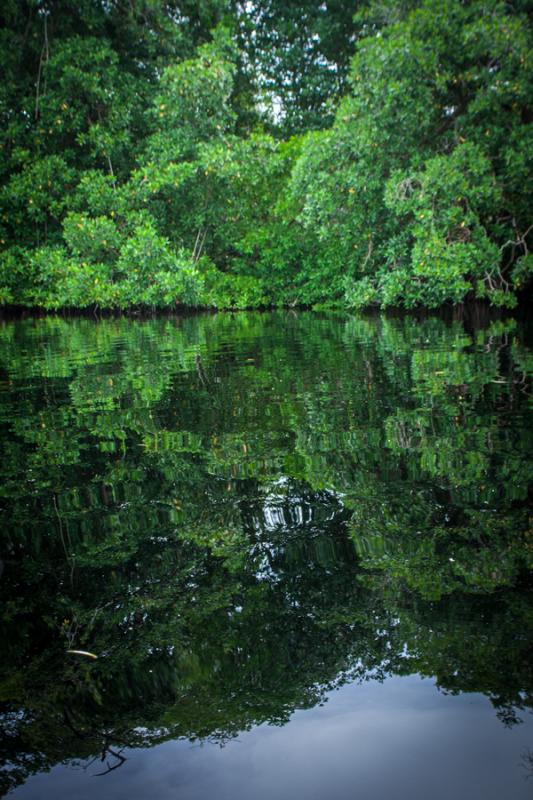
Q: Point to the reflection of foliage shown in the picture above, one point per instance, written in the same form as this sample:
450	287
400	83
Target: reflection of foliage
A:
238	513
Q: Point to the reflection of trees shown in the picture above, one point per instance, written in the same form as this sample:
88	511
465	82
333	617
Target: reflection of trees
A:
326	501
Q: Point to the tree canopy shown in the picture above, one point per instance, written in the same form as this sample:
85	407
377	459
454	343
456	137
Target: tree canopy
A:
223	154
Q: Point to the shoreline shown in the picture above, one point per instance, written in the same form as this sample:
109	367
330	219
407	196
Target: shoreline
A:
476	311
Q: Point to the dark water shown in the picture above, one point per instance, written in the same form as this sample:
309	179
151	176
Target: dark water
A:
299	545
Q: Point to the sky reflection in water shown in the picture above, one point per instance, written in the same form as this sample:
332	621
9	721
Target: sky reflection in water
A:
399	739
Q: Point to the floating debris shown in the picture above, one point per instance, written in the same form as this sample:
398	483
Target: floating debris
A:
82	653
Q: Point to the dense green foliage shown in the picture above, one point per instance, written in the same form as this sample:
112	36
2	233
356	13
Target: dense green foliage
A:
238	512
241	155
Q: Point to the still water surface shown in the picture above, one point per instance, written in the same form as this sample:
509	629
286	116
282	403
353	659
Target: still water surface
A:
300	547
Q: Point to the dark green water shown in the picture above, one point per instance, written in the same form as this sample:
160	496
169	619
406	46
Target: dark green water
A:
305	538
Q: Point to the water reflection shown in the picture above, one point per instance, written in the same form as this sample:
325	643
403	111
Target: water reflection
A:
397	739
240	514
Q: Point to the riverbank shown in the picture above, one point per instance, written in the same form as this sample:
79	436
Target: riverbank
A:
476	313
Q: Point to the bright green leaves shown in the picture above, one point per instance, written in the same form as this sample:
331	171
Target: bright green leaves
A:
118	261
444	206
35	199
193	104
92	239
419	194
412	185
154	273
87	104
